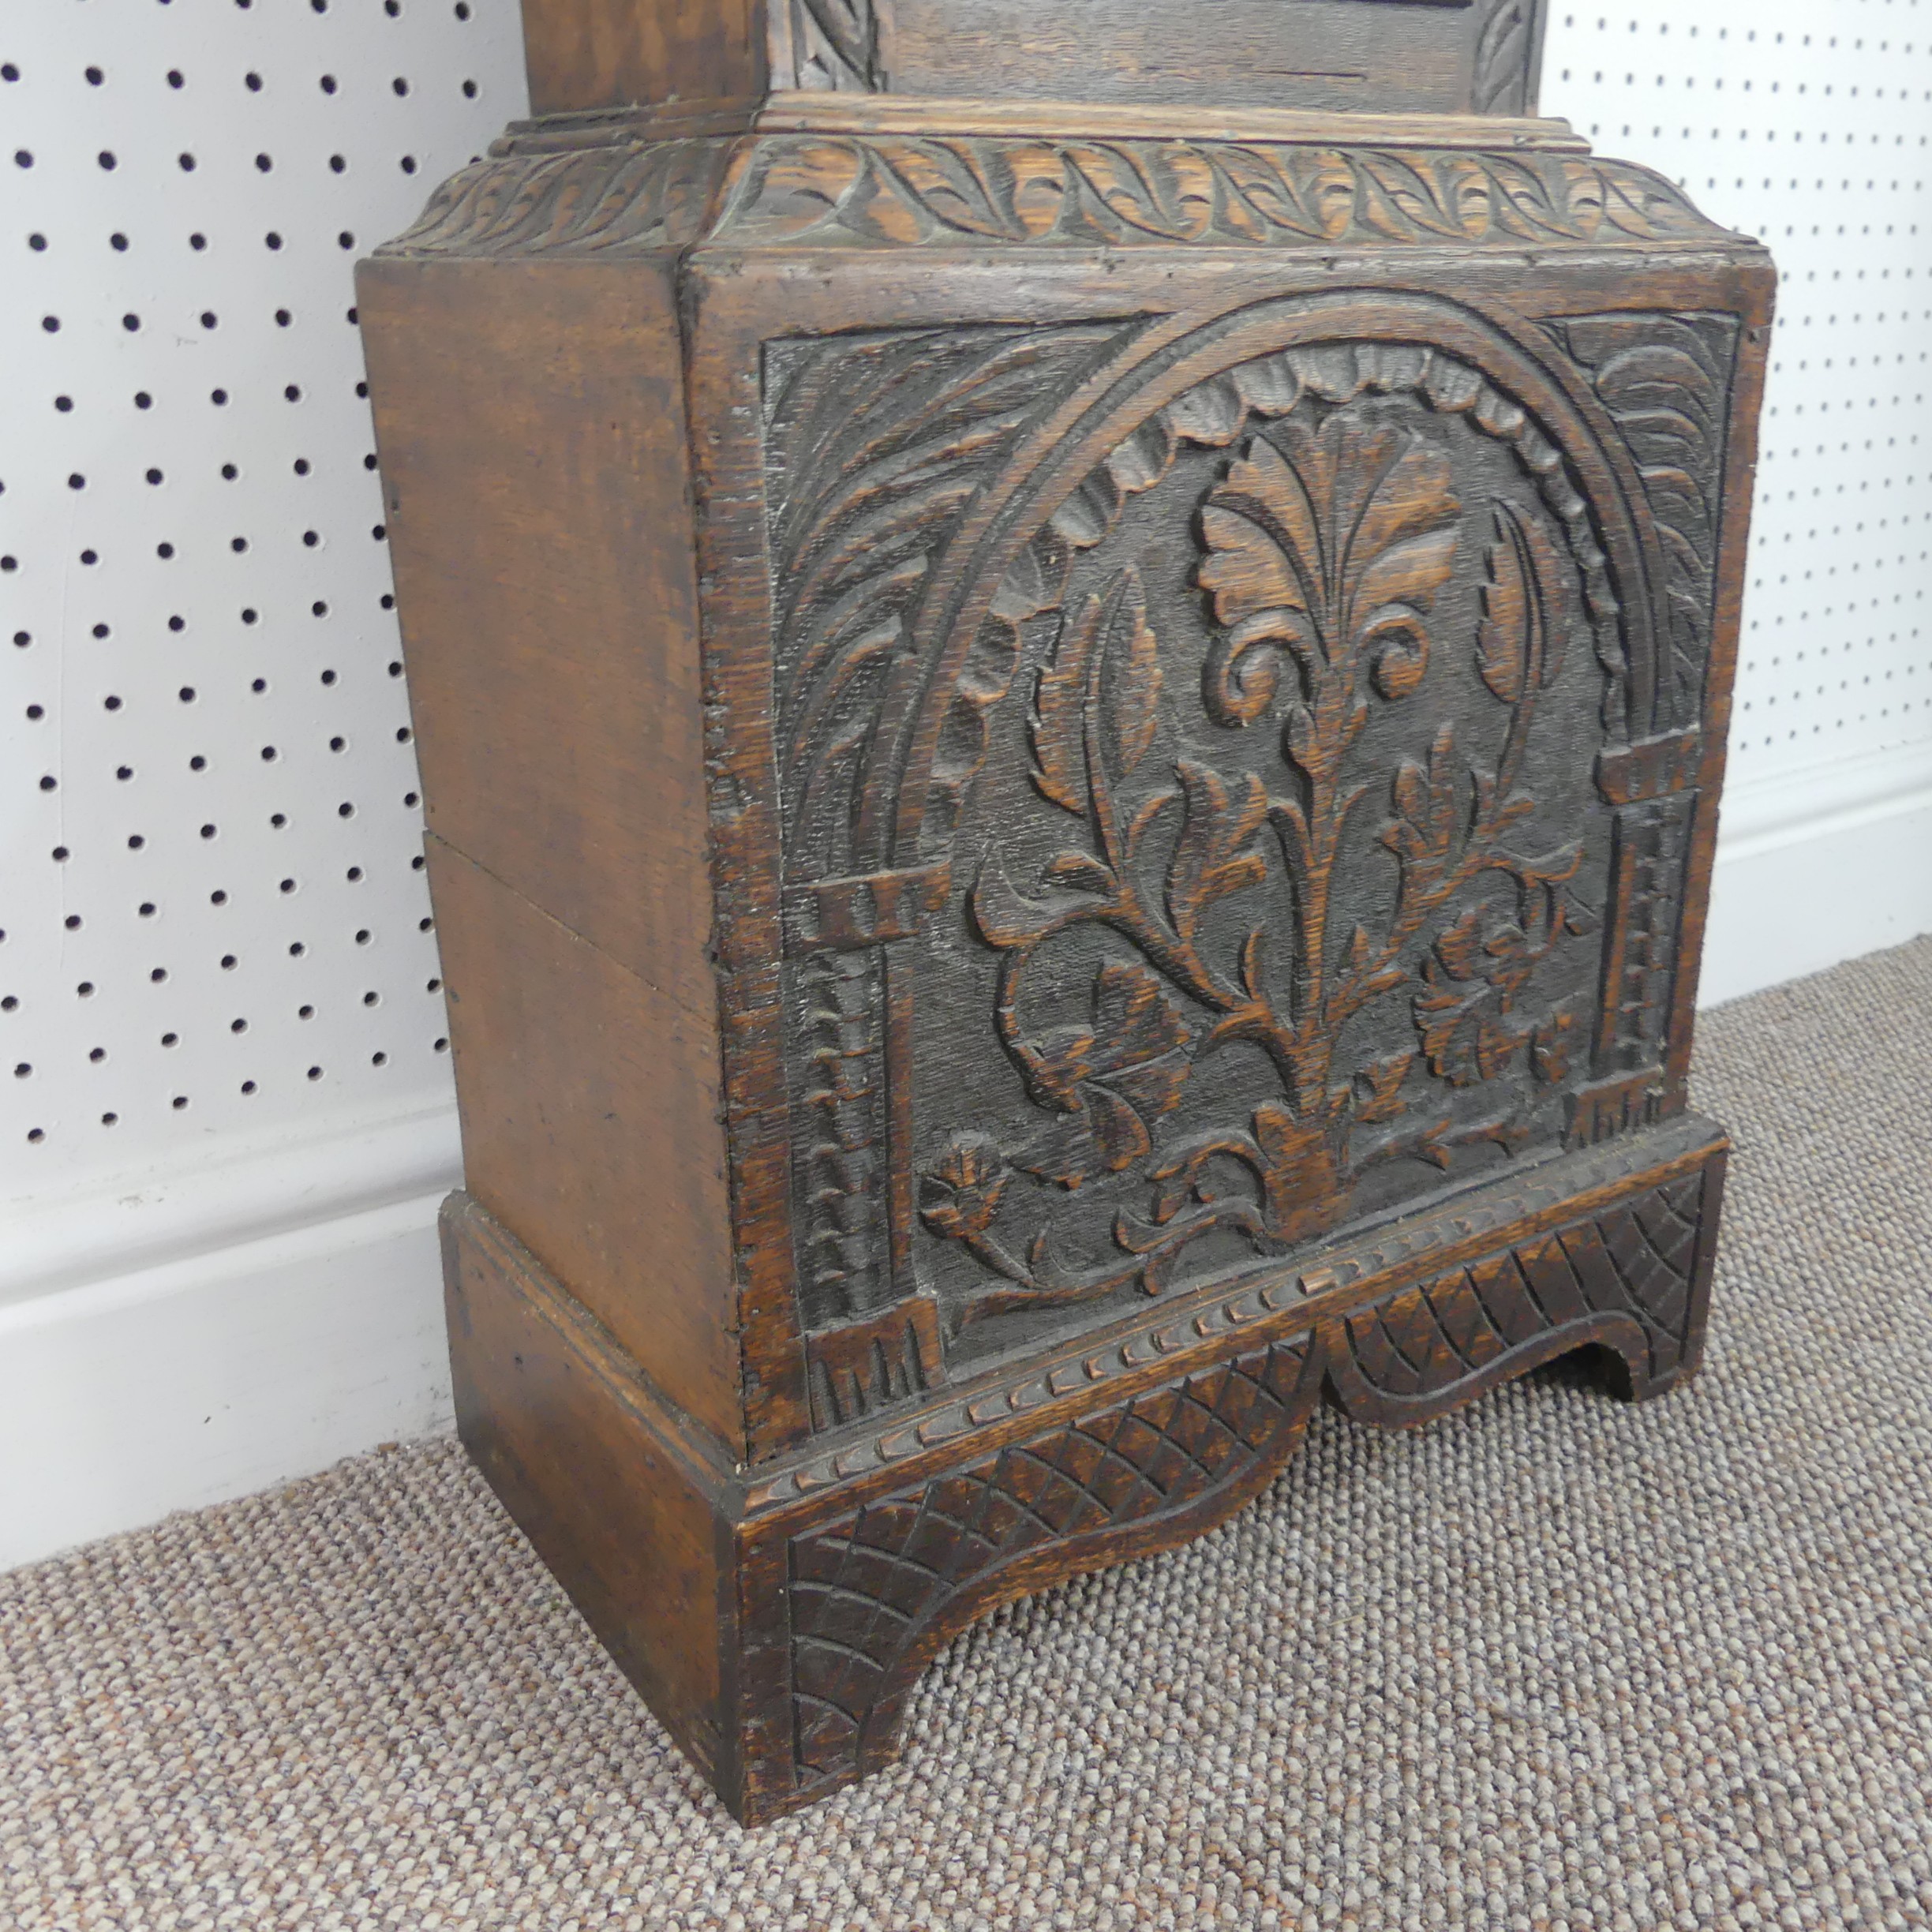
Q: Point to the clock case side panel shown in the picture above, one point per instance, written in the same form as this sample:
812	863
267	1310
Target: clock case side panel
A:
738	304
530	420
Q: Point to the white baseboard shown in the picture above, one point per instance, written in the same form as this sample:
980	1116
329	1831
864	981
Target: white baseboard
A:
1819	869
188	1337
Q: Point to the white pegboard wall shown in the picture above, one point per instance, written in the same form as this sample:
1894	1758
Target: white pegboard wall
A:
188	184
1810	127
216	935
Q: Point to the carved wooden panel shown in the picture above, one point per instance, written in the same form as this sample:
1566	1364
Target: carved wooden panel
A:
547	195
1186	576
873	1595
1267	876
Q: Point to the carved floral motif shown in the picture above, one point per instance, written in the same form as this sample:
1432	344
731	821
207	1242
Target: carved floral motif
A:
1323	549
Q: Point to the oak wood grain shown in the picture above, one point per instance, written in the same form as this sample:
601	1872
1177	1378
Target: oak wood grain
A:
589	1106
1073	748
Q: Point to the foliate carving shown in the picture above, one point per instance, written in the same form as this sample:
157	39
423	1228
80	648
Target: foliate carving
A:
874	1593
602	200
1226	900
892	191
885	192
1505	71
834	45
1666	381
874	446
870	1594
1214	415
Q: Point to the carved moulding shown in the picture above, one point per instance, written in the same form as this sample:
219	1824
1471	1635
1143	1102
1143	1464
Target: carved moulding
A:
886	698
851	1607
895	191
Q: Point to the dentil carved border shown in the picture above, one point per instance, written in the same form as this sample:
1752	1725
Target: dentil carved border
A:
1473	1222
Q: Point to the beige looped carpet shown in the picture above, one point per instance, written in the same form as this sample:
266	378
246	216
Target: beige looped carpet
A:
1553	1663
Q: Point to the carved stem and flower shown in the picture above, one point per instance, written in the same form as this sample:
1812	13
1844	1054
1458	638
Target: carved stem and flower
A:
1325	549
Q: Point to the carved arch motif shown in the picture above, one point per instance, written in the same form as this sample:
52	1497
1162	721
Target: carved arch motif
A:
1033	440
1323	549
965	478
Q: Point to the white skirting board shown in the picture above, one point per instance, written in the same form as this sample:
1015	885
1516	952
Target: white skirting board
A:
1817	869
210	1333
191	1337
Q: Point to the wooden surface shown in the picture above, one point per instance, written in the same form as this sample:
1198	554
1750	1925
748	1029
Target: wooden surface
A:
780	1624
540	506
1436	56
1072	773
531	431
617	1500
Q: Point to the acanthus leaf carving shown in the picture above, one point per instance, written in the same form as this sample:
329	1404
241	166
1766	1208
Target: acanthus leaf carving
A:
1665	381
1325	547
1105	669
852	558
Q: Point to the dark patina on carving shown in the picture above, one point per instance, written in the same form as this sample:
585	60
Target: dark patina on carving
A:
873	1595
1325	546
1321	662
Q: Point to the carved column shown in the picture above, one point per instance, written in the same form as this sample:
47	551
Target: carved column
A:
1073	701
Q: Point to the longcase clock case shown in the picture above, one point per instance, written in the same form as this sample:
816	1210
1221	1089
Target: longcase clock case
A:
1072	748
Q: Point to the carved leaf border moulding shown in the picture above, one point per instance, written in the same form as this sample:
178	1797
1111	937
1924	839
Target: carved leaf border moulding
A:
810	190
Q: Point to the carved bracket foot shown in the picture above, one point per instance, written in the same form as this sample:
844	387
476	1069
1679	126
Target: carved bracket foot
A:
777	1619
869	1595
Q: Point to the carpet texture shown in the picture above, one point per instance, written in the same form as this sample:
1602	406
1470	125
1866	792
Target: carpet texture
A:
1554	1662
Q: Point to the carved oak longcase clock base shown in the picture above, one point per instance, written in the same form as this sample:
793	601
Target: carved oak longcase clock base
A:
1072	751
778	1620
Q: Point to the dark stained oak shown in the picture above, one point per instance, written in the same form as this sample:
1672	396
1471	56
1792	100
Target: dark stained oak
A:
1439	56
1073	664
